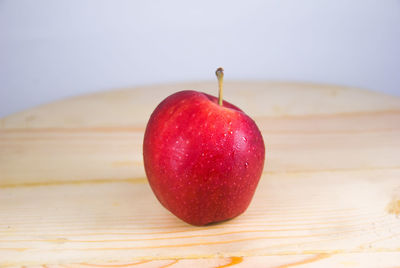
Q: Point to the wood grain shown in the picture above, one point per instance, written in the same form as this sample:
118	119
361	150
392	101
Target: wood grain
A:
73	192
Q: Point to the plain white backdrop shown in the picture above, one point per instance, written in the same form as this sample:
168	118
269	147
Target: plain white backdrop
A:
55	49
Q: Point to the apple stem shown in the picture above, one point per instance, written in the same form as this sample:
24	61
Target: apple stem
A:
220	75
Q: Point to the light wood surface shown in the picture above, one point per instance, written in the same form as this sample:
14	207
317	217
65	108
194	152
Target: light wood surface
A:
73	191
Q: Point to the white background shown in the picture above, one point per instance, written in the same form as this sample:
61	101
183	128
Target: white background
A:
54	49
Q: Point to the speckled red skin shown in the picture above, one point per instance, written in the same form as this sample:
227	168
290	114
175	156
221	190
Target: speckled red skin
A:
203	161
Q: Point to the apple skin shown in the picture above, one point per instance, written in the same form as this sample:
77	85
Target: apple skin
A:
203	161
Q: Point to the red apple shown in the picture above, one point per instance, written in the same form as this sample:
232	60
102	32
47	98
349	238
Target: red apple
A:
203	159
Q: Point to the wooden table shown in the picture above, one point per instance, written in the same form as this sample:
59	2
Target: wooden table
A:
73	191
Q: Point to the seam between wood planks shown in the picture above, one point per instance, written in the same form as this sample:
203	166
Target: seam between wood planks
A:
143	180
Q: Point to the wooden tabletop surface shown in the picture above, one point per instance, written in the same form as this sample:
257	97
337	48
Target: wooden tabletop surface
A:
73	191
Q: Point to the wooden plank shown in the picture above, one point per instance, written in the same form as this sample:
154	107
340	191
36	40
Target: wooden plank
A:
73	190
